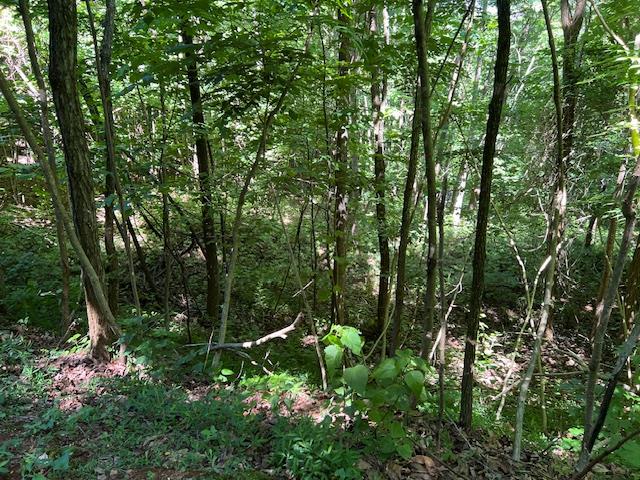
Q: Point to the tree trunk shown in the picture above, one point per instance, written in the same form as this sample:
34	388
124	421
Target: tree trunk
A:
378	100
62	76
205	172
610	243
571	25
47	136
113	188
422	26
341	172
408	200
603	316
558	206
166	221
479	254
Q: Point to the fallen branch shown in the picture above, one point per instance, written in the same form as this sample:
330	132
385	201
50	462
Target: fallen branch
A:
282	333
605	453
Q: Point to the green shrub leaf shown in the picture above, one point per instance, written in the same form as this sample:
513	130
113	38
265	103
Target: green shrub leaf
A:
356	377
414	380
333	356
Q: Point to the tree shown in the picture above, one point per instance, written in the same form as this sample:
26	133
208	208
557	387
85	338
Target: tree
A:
113	188
47	136
341	214
479	251
205	173
558	211
378	100
63	78
422	26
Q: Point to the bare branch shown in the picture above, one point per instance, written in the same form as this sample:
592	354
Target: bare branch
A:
282	333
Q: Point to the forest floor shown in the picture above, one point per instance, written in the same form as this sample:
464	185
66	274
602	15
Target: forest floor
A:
64	417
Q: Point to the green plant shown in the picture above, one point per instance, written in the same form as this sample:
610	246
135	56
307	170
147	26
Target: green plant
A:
313	451
379	395
5	458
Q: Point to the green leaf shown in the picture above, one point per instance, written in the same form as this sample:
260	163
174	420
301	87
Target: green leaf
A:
62	462
352	340
386	447
630	454
333	356
376	415
414	380
356	377
396	430
331	339
226	371
386	371
405	450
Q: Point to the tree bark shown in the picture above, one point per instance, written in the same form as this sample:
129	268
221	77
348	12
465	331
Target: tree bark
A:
378	100
610	243
422	27
47	136
571	25
479	255
341	218
62	76
205	172
557	216
408	201
113	189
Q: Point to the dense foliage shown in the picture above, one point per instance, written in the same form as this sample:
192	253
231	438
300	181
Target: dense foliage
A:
418	216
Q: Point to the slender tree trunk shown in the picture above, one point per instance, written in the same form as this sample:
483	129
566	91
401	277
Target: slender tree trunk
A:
341	218
571	25
422	27
62	76
610	243
603	316
558	207
166	221
314	257
463	173
442	342
479	254
47	136
591	228
235	233
113	188
378	100
633	286
408	202
148	276
595	218
205	172
112	278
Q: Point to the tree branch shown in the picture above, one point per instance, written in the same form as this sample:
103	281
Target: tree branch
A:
282	333
605	453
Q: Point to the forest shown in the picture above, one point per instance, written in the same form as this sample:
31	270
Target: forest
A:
319	239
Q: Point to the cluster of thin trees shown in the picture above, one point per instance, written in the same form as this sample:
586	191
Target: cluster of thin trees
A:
76	216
